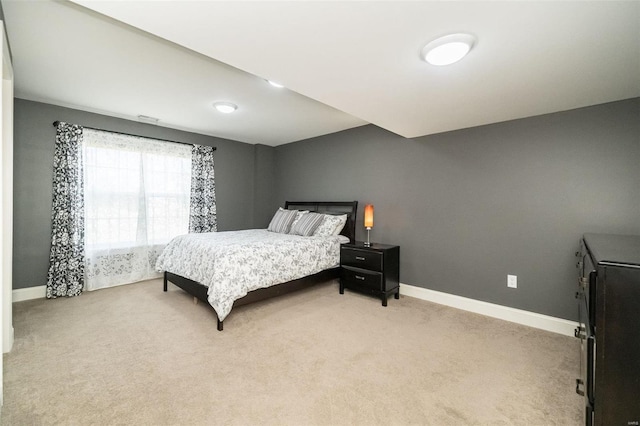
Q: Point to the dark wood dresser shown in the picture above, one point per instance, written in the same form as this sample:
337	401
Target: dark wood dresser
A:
374	269
609	305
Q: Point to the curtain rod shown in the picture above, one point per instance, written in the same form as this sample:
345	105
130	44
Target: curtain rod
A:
55	124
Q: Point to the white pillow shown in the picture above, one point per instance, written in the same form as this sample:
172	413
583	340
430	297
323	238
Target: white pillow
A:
331	225
282	221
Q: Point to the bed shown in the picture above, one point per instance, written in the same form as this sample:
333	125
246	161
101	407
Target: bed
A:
213	283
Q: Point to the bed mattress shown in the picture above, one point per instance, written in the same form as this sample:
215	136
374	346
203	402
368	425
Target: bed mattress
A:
232	263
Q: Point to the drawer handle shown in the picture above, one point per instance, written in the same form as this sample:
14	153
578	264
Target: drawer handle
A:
360	258
578	384
358	277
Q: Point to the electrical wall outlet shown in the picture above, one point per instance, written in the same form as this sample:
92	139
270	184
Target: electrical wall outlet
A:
512	281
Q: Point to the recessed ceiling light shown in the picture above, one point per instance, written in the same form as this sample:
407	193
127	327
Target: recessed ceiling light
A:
225	107
274	84
148	120
448	49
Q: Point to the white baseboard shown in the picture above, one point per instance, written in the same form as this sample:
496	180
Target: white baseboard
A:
7	343
29	293
531	319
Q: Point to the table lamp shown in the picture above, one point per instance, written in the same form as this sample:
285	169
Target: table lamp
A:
368	221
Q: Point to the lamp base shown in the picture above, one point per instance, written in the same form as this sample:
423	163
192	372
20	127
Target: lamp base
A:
367	243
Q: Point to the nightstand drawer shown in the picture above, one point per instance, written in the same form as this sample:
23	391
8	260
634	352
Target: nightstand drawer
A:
361	278
365	259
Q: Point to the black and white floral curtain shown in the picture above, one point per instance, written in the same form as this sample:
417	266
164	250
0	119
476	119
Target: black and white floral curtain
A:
202	217
66	262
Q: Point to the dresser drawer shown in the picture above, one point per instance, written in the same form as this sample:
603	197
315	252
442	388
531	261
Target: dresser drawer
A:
365	259
361	278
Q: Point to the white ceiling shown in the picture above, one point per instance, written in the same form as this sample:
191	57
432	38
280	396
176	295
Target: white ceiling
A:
361	58
66	55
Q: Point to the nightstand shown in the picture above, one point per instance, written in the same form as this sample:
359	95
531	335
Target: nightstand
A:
374	269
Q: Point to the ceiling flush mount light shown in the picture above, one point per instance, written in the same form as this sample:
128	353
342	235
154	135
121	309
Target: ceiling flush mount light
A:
225	107
274	84
448	49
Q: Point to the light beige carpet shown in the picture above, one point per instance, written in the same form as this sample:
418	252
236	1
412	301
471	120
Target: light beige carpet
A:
134	355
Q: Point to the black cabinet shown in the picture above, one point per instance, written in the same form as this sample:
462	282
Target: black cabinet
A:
609	306
373	269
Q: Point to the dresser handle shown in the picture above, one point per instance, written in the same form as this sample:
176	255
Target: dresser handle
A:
358	277
360	258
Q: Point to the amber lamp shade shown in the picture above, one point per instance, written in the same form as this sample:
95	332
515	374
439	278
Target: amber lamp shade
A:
368	216
368	221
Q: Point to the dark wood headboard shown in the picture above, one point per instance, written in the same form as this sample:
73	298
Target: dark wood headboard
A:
350	208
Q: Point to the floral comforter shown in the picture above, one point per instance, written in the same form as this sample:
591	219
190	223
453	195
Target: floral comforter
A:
233	263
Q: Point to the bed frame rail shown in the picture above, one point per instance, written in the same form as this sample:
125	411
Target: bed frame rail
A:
199	291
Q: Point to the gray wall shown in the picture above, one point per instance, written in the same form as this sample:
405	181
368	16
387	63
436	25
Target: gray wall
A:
265	181
471	206
467	207
34	137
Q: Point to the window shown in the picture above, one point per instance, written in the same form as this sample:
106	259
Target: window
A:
137	194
